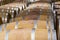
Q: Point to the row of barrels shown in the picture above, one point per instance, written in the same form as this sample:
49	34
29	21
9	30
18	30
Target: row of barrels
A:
22	9
3	2
25	29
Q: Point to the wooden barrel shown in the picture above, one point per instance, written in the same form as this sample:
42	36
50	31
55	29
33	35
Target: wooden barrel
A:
39	5
27	24
57	6
39	8
16	6
13	5
28	34
29	15
32	12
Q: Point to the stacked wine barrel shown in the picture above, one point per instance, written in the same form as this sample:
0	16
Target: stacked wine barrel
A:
20	22
57	9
